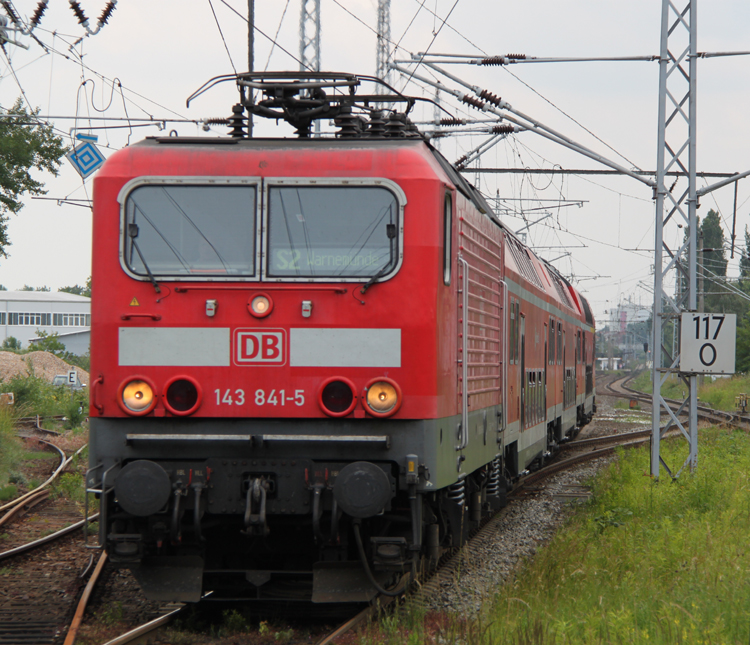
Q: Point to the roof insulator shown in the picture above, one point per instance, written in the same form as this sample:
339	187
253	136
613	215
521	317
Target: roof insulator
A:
502	129
107	12
489	96
376	126
76	7
450	121
470	100
217	121
237	122
494	60
40	9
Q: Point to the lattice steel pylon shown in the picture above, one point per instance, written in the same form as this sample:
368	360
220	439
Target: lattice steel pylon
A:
383	55
676	205
309	36
309	42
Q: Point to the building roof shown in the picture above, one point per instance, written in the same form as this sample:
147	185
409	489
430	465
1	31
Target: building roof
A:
68	334
42	296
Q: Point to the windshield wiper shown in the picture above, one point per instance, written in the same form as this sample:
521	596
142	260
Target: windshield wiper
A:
391	234
132	234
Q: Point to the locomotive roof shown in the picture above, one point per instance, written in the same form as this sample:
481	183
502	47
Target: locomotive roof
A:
448	168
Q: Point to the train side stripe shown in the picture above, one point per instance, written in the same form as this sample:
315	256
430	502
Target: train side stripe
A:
344	347
174	346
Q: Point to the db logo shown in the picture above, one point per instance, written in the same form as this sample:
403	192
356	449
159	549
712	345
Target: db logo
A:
259	346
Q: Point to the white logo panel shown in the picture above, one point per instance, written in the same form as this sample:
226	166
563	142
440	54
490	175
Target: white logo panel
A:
260	347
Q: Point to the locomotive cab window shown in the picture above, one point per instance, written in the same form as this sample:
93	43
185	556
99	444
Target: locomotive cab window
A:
332	231
180	230
447	237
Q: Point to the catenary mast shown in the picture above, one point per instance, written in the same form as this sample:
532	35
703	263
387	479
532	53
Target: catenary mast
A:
309	41
676	151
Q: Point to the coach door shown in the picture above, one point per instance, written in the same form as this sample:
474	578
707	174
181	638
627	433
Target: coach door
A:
522	325
547	348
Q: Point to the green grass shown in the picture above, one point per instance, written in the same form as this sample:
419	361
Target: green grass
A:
69	486
40	455
643	561
34	395
719	394
10	447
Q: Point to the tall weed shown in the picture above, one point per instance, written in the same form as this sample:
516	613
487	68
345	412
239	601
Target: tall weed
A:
10	448
34	395
645	561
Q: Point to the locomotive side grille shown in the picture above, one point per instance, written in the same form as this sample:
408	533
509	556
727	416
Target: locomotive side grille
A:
523	261
561	291
483	254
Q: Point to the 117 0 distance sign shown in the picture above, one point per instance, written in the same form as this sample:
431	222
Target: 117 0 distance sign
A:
707	343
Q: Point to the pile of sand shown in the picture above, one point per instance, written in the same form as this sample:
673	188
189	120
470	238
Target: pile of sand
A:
42	364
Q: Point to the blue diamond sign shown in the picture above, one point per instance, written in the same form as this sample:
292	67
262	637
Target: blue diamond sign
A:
85	158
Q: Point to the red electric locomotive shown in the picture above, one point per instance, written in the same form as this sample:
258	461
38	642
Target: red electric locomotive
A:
316	362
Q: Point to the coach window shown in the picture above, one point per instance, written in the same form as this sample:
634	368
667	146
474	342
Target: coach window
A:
332	232
559	343
551	342
447	237
191	230
512	340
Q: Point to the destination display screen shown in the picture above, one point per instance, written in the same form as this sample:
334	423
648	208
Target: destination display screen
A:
331	231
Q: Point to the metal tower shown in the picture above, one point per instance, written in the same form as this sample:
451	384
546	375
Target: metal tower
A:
675	205
309	42
309	36
383	56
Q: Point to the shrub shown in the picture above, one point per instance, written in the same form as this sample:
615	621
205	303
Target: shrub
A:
10	448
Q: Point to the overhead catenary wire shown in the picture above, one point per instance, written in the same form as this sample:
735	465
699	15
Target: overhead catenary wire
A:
494	105
221	33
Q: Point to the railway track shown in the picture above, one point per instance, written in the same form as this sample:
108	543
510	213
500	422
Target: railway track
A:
619	388
39	581
587	449
584	449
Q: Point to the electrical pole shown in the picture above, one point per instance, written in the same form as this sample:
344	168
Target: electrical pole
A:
383	58
676	150
309	42
250	54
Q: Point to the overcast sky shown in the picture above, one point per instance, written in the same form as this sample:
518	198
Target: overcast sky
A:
156	54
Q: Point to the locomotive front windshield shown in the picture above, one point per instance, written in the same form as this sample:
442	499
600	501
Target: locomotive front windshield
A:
331	231
186	231
179	230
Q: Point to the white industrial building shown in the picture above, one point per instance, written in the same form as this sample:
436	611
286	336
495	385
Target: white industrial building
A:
23	313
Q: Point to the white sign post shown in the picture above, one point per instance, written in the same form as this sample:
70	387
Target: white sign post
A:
72	377
707	343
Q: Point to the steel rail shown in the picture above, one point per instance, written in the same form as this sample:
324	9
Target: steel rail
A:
28	504
150	626
48	538
382	603
60	468
78	617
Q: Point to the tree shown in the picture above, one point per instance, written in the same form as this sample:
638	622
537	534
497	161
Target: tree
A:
78	290
745	259
49	343
25	144
11	343
714	255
